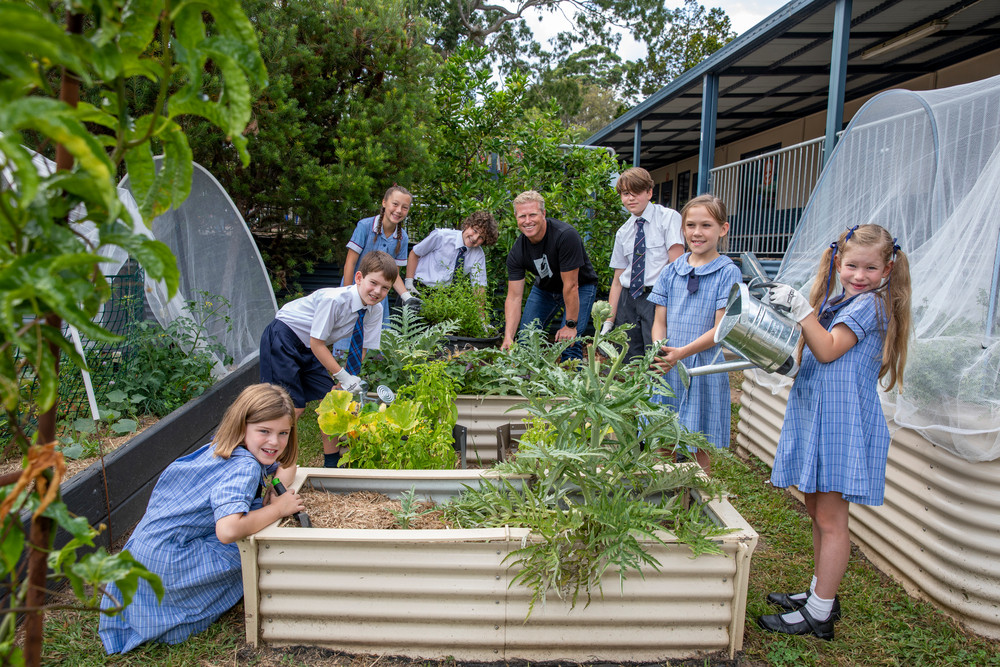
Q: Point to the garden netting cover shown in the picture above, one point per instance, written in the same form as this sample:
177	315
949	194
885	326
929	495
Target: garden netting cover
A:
217	258
926	166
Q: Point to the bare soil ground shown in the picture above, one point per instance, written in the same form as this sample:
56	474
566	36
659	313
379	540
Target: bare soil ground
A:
365	509
109	443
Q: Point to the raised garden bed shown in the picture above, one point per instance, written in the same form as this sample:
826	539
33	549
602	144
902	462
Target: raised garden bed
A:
433	594
481	415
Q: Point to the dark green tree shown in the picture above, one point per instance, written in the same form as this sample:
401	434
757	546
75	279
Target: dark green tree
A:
676	41
344	117
583	64
489	147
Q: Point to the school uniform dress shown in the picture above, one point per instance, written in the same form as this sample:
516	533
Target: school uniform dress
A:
705	406
438	253
364	240
328	314
662	231
367	238
176	540
835	437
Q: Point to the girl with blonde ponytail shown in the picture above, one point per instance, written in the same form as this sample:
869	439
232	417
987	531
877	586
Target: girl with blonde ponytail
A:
835	440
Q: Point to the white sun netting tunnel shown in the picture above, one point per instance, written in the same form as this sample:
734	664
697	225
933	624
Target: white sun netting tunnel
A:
926	166
217	257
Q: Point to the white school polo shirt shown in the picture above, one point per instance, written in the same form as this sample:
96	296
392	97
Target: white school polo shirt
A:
329	314
437	255
663	230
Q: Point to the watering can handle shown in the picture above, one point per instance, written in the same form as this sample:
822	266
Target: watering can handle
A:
777	307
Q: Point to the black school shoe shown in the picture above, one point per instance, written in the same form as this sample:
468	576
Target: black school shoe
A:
807	626
788	603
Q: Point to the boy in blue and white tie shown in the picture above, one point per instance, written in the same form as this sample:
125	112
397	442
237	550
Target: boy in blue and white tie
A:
445	253
295	346
649	240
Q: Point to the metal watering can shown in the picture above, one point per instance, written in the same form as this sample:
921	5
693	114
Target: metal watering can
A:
757	332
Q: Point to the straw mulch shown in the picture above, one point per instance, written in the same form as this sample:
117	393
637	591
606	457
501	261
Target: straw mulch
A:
364	509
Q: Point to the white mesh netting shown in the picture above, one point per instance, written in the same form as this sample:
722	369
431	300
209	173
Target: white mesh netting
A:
926	166
217	257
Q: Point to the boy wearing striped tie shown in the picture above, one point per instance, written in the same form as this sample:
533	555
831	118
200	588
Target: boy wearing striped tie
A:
648	241
295	346
445	253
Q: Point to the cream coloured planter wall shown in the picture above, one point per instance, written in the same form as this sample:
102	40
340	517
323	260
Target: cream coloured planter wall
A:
432	594
938	533
482	415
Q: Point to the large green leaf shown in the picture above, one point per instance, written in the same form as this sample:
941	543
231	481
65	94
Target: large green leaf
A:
154	256
25	30
13	541
88	113
55	120
24	172
121	569
141	174
173	179
139	21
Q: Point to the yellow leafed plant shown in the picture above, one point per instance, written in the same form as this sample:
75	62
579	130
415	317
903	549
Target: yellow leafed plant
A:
399	436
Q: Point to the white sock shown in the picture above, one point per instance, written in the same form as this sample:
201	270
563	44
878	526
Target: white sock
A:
793	617
812	586
819	608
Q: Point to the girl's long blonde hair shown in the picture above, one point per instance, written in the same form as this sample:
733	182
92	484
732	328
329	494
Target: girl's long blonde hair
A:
257	403
895	294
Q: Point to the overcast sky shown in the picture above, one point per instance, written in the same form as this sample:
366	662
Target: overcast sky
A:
744	14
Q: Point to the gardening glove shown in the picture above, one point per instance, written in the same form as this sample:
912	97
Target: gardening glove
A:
784	298
412	302
607	327
410	289
347	381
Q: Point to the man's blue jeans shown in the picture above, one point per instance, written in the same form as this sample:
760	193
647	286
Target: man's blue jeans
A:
542	305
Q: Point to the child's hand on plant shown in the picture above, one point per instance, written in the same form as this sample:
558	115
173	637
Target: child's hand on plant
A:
666	359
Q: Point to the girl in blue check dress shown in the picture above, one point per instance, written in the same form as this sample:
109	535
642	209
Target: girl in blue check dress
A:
383	232
835	441
202	504
690	297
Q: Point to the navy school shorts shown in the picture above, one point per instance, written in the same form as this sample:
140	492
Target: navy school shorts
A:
285	360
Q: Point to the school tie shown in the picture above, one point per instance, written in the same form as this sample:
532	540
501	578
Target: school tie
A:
460	261
638	260
353	365
693	281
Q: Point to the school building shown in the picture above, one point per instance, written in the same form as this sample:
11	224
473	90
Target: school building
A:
754	124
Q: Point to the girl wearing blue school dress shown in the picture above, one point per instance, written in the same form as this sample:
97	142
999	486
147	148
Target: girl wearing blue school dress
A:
383	232
202	504
835	441
690	297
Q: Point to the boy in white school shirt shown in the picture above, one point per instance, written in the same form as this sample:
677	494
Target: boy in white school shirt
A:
295	347
641	251
447	252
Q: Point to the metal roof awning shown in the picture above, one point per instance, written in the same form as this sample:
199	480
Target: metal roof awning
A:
779	70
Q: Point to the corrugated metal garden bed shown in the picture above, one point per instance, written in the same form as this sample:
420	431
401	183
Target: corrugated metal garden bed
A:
446	592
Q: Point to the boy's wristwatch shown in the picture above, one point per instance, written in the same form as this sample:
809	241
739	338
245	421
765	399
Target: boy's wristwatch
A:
571	324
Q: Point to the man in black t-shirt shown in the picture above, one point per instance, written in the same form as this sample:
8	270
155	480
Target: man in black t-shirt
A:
553	251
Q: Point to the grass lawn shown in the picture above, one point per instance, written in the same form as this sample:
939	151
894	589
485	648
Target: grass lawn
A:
882	625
